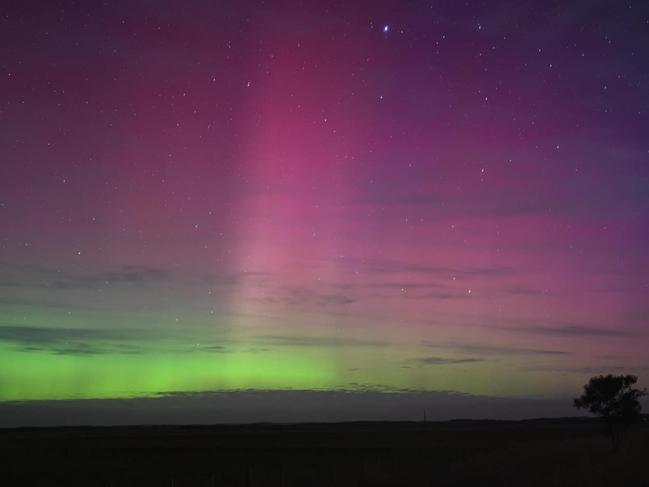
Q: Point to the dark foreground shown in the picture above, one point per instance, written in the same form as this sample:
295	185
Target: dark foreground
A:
540	452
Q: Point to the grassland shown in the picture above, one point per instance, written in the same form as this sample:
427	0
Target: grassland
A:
570	452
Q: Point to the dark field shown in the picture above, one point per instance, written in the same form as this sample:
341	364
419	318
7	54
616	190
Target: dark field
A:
540	452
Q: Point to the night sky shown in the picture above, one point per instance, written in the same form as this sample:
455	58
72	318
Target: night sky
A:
373	197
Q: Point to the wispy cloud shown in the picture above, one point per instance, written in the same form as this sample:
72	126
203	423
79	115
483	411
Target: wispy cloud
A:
524	291
494	349
318	341
72	341
442	295
211	349
322	296
20	301
237	278
44	335
84	349
21	275
485	203
569	331
386	266
590	370
448	361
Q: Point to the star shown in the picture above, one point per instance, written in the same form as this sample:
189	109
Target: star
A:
386	28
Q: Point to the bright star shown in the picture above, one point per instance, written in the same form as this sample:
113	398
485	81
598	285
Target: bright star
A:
386	28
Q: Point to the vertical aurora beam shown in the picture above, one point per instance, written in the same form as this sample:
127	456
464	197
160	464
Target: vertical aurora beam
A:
300	165
206	197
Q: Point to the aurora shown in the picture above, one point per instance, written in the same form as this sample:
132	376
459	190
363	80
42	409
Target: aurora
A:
327	197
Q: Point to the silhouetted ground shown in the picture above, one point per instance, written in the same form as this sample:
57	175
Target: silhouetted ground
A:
541	452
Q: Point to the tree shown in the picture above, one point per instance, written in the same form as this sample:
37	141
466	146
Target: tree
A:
614	398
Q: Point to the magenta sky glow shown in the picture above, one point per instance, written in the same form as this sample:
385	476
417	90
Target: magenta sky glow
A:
458	202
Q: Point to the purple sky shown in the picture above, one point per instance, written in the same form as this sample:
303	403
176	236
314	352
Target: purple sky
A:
422	196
